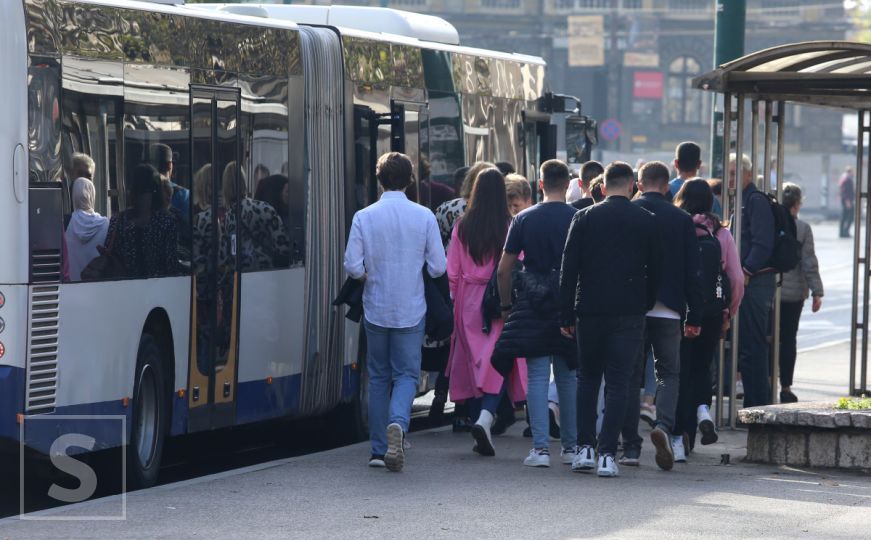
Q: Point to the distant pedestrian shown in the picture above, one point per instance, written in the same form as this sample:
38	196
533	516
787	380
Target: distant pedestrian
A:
472	258
532	328
722	282
389	243
847	190
679	299
611	270
86	230
688	164
757	246
797	285
589	171
505	168
597	189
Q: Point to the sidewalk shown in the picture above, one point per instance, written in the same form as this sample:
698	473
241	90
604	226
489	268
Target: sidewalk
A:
447	491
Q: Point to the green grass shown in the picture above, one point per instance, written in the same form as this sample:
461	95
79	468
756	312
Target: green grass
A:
854	404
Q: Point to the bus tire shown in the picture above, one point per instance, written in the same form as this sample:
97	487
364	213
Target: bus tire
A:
149	416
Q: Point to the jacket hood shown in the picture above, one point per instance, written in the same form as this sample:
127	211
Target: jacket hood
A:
84	225
701	219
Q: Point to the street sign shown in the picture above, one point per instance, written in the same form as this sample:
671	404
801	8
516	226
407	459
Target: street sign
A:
610	129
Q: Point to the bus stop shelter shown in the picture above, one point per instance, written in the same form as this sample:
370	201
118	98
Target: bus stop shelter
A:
833	74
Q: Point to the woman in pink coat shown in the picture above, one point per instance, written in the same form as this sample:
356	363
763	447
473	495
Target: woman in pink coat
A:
475	248
694	395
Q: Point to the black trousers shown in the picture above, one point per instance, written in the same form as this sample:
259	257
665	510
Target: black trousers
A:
790	313
609	346
695	375
847	215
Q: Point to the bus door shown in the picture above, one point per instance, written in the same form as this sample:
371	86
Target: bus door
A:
217	190
410	135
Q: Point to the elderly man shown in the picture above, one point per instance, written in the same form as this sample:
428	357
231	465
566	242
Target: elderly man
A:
757	245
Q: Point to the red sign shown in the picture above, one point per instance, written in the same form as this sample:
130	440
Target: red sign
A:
648	85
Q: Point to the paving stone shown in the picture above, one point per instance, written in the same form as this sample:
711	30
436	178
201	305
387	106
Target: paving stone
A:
822	449
796	447
854	450
757	444
777	448
861	419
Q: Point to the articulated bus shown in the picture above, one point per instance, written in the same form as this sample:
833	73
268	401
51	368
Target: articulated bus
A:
310	95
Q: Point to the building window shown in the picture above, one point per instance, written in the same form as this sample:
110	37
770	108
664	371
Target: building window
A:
683	104
691	5
595	5
501	4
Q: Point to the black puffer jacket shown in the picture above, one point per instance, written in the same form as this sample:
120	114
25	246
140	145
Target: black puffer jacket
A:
532	328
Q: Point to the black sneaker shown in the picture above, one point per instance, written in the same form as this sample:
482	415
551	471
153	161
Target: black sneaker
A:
462	425
554	427
502	424
437	408
527	432
377	460
787	396
662	442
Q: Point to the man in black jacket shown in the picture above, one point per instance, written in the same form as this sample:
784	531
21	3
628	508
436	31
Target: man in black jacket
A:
679	297
609	280
589	170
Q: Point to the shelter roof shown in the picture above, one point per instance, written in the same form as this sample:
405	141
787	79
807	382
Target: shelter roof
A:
827	73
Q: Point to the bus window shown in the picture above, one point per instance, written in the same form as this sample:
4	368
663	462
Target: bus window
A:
43	88
157	132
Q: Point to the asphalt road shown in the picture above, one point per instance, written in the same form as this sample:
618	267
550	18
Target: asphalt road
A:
832	323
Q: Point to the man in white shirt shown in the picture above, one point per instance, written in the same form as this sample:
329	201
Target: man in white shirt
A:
390	243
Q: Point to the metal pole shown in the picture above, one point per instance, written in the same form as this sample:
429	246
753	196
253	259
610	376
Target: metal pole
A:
739	188
857	262
725	192
728	46
778	192
863	199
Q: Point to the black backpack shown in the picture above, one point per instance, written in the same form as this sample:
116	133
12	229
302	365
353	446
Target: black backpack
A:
716	288
787	250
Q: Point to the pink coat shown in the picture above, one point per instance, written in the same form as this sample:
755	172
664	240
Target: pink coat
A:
730	260
469	368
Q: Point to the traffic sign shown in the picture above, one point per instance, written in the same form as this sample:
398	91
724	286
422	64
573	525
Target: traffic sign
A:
610	129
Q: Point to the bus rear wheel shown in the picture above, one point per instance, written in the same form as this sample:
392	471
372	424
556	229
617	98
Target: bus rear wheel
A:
150	415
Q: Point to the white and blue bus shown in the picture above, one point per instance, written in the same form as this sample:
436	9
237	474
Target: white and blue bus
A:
236	93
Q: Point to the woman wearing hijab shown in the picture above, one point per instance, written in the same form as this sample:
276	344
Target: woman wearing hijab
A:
86	230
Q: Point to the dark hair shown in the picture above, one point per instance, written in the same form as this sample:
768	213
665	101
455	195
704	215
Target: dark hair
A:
654	173
589	171
555	174
695	197
505	168
484	225
269	191
688	155
596	188
145	180
262	169
716	186
161	157
618	175
394	171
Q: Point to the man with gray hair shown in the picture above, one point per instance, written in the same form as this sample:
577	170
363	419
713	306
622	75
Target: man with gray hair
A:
757	246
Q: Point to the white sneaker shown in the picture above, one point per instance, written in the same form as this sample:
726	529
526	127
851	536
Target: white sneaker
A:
706	425
394	459
648	414
538	457
481	434
607	467
680	455
567	455
584	460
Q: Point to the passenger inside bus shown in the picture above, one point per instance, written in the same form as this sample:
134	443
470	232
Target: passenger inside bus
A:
275	191
259	234
86	229
145	235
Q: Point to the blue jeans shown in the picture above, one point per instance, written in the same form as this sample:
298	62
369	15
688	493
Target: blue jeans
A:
392	356
538	373
649	374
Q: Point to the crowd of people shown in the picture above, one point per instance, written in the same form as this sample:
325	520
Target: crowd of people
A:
565	306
